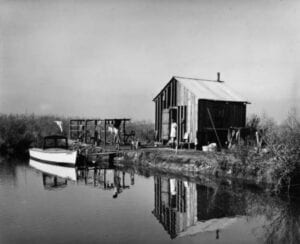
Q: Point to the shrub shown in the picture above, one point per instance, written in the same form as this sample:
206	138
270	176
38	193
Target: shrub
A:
282	143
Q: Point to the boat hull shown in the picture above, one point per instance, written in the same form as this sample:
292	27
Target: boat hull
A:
56	170
54	156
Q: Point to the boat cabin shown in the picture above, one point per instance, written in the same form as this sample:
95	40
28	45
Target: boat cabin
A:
55	141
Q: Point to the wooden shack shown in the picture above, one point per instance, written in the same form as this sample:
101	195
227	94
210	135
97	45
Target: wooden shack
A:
203	110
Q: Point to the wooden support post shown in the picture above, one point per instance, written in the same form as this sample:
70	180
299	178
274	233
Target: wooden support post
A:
95	142
124	132
160	117
85	131
123	179
105	132
78	134
70	123
104	178
178	127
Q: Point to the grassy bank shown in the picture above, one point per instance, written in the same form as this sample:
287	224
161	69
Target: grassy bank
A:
260	169
225	164
277	164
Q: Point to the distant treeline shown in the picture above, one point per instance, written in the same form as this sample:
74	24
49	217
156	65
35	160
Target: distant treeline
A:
19	132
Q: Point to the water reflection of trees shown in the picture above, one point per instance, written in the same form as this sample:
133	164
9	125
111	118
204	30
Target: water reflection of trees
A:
184	208
280	218
8	173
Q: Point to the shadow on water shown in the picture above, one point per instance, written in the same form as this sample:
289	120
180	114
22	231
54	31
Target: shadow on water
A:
185	207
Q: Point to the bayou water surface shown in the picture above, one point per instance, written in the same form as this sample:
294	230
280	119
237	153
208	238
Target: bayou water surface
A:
135	206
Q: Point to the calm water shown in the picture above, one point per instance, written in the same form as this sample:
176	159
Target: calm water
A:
131	206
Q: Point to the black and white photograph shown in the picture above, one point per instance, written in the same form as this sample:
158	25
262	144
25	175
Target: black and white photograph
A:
149	121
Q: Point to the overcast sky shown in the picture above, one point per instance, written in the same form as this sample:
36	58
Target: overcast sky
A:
110	58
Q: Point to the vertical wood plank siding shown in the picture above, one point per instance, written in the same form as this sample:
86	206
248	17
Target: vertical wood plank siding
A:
187	98
156	114
160	114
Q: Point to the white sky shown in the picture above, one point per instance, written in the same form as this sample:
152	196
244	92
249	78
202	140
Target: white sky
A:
110	58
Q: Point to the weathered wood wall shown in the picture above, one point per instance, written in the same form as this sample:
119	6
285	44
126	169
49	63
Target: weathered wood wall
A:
188	99
164	101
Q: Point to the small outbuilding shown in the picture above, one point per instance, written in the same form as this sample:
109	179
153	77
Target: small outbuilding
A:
203	111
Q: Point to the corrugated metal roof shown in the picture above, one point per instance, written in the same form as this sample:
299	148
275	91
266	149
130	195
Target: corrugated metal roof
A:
210	89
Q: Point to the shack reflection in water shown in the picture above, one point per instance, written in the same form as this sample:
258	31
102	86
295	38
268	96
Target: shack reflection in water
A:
185	208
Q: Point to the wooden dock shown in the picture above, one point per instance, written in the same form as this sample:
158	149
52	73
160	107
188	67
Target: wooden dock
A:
90	154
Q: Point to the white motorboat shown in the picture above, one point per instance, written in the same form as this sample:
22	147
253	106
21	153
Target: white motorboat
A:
55	151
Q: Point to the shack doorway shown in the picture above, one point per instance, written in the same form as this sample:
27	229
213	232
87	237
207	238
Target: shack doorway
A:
173	119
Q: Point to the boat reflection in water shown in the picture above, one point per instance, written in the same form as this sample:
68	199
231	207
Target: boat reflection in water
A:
66	172
186	208
104	176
